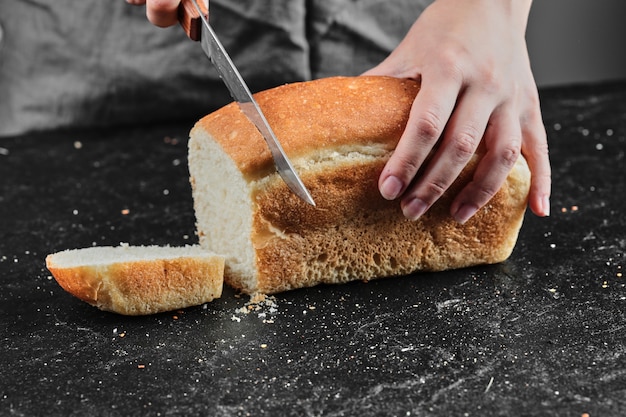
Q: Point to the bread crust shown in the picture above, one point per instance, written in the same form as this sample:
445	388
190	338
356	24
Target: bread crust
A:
340	132
354	233
312	116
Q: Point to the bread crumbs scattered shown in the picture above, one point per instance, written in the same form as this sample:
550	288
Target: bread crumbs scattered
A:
170	140
572	209
262	304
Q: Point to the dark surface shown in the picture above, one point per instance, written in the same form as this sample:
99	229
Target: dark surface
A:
541	334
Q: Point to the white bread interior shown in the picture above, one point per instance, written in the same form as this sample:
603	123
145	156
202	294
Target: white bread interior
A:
139	280
338	133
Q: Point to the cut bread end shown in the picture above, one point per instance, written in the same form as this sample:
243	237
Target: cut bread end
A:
139	280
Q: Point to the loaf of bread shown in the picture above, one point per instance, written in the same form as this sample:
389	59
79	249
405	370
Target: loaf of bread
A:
338	133
138	280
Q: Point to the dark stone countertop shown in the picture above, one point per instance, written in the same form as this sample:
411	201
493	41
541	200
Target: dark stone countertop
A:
543	333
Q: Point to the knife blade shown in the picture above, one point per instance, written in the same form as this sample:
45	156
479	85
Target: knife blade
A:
193	17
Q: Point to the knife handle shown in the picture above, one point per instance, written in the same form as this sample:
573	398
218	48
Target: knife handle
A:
189	18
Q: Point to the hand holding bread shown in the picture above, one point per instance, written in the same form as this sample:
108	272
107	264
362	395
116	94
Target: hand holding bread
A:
477	91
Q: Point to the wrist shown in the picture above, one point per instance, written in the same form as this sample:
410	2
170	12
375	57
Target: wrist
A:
515	12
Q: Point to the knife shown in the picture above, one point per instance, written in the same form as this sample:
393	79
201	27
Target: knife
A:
193	17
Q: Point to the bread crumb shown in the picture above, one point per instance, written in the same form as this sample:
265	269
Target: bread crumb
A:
263	345
170	140
257	298
260	303
125	211
141	366
78	144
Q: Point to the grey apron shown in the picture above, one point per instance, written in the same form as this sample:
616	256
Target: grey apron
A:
94	63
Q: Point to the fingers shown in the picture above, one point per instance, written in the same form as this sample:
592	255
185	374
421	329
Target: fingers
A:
535	150
429	114
162	13
461	138
503	138
463	133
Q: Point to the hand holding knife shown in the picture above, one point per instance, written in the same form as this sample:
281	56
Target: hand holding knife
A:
193	17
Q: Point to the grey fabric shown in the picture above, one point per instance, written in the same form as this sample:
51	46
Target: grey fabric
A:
94	63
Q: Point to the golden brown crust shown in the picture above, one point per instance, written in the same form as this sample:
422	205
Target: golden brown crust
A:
354	233
304	118
143	287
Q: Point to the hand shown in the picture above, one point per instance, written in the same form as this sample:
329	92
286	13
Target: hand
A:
476	85
162	13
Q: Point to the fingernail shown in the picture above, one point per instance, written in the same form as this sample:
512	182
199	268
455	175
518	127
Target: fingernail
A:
391	188
414	209
545	206
464	213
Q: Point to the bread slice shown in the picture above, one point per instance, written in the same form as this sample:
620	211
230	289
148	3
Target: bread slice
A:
338	133
138	280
